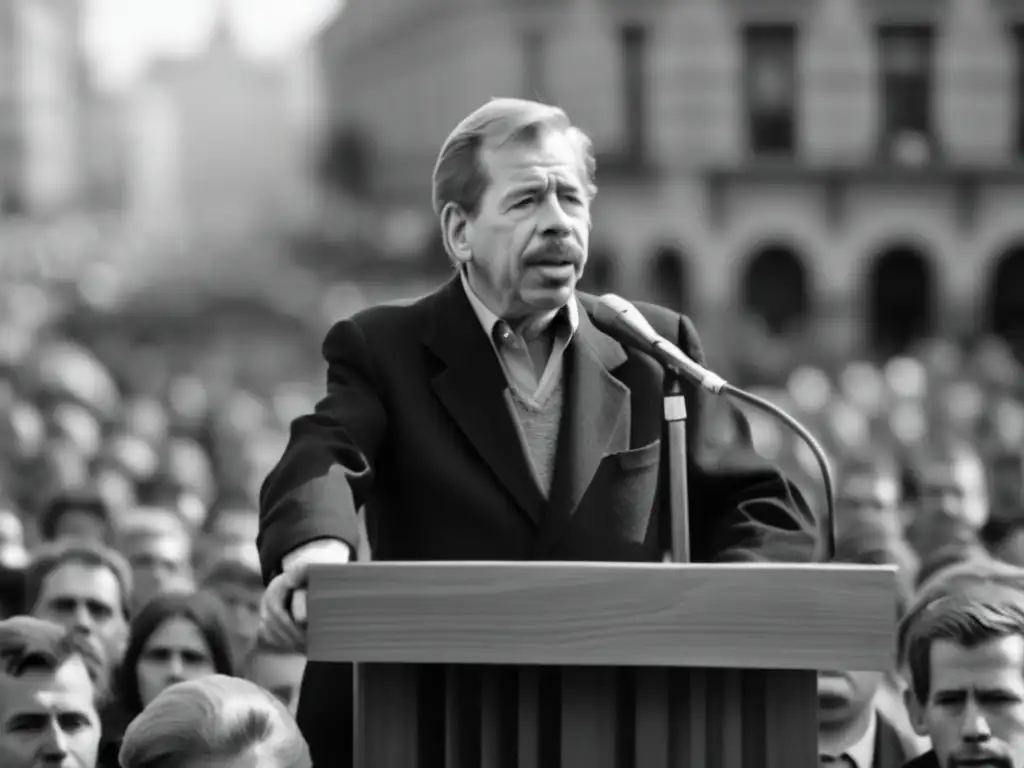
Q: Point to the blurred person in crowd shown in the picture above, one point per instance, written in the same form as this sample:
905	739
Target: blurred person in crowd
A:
276	669
13	553
78	513
232	527
945	485
964	651
239	585
158	546
216	722
117	491
48	702
868	492
233	524
61	466
75	424
172	639
860	713
501	422
85	586
946	480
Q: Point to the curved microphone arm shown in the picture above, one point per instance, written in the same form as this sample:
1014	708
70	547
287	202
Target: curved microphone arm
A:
812	443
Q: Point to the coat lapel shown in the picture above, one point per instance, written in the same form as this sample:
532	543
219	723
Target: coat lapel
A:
595	421
472	387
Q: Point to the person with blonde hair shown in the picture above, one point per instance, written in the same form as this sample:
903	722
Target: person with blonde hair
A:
494	419
217	722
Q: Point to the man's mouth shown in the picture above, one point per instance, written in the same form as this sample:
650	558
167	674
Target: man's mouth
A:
554	261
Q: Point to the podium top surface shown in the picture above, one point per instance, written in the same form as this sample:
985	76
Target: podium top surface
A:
762	616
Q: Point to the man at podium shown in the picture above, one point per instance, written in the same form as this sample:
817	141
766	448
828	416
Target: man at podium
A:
491	419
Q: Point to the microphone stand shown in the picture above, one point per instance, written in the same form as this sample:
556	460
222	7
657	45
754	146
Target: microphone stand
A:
674	428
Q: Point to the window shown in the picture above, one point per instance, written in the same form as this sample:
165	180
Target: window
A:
906	70
1018	55
534	64
633	45
770	88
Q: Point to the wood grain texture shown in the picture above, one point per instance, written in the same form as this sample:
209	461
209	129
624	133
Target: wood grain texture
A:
762	616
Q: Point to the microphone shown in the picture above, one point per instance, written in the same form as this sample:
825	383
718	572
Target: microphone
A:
621	320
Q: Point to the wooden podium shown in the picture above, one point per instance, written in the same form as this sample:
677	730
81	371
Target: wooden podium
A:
594	665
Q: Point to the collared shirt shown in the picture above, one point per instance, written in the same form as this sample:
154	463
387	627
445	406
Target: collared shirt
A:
513	351
862	752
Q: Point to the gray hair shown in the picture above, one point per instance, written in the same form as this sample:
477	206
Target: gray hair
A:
214	716
460	178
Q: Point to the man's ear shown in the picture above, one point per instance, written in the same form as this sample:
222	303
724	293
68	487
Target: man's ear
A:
915	710
454	230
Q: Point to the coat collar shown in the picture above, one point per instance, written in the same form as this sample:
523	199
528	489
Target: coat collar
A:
471	385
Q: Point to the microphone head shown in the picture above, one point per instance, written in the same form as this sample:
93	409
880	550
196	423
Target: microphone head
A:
610	307
615	303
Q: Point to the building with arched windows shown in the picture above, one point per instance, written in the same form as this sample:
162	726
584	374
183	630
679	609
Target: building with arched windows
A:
803	163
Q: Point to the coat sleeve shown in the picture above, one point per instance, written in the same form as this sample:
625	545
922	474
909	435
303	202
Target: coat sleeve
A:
326	473
746	510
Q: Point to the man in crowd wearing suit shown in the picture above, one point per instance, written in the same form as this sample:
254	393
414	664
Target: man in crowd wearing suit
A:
962	645
492	420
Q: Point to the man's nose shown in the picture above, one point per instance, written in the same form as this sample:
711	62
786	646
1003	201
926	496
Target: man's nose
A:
554	220
975	728
55	744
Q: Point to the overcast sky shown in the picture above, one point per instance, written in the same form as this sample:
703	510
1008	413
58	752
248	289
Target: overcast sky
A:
121	36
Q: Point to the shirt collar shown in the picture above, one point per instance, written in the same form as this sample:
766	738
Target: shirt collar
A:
862	751
489	320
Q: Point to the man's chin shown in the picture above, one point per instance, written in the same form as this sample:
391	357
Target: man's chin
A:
548	297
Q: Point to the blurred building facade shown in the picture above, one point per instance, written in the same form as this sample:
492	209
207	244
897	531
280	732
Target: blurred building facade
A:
854	162
42	73
215	160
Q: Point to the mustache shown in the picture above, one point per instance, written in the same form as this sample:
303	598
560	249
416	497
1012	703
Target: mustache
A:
980	756
555	251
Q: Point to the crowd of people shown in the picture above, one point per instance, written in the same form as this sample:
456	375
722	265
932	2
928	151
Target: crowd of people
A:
131	454
130	466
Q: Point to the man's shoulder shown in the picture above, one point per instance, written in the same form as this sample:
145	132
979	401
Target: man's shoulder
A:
389	318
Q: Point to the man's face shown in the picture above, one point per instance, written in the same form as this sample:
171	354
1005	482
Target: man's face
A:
80	524
161	563
956	488
527	246
87	598
843	696
869	492
974	713
281	675
49	719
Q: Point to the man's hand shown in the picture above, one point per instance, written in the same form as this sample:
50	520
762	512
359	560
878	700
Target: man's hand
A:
283	610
